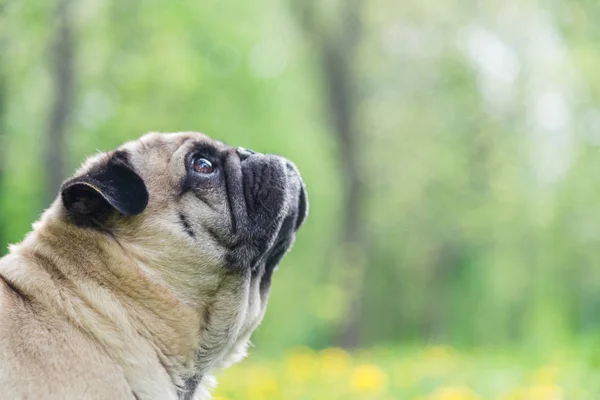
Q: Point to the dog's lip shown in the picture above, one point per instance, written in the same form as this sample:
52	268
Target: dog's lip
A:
294	173
302	207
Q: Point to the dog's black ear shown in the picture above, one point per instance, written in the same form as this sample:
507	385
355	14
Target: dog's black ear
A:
112	184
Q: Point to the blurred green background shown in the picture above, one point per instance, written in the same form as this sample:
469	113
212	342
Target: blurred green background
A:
451	150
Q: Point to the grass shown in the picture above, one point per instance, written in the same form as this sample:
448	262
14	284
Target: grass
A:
428	373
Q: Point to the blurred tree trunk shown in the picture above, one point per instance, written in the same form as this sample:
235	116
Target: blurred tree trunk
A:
63	75
2	142
336	48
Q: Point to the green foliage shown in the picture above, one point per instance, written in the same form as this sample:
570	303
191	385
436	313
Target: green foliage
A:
479	150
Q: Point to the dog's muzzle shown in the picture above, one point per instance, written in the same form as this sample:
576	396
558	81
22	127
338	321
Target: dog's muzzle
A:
268	206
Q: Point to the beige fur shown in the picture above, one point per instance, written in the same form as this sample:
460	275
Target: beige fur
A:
123	315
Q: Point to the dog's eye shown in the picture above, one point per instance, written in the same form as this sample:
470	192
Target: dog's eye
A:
202	166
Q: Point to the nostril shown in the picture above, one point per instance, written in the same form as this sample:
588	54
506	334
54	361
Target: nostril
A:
291	167
244	153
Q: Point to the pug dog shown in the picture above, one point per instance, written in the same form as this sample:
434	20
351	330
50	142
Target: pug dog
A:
150	271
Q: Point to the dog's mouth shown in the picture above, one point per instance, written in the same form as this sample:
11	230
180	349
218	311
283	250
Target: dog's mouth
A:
267	204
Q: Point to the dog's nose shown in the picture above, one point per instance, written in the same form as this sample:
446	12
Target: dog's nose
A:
244	153
290	167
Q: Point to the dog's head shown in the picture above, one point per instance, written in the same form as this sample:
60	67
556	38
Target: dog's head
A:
209	220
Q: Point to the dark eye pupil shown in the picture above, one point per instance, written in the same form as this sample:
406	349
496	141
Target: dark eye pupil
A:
203	166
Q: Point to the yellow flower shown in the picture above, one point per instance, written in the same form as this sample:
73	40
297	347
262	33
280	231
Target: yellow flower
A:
540	392
546	375
544	392
368	379
300	364
335	362
454	393
517	394
261	384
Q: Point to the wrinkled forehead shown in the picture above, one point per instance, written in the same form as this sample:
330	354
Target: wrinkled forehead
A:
157	150
166	145
159	158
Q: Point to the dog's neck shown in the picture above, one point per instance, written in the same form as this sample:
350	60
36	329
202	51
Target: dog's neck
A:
140	307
